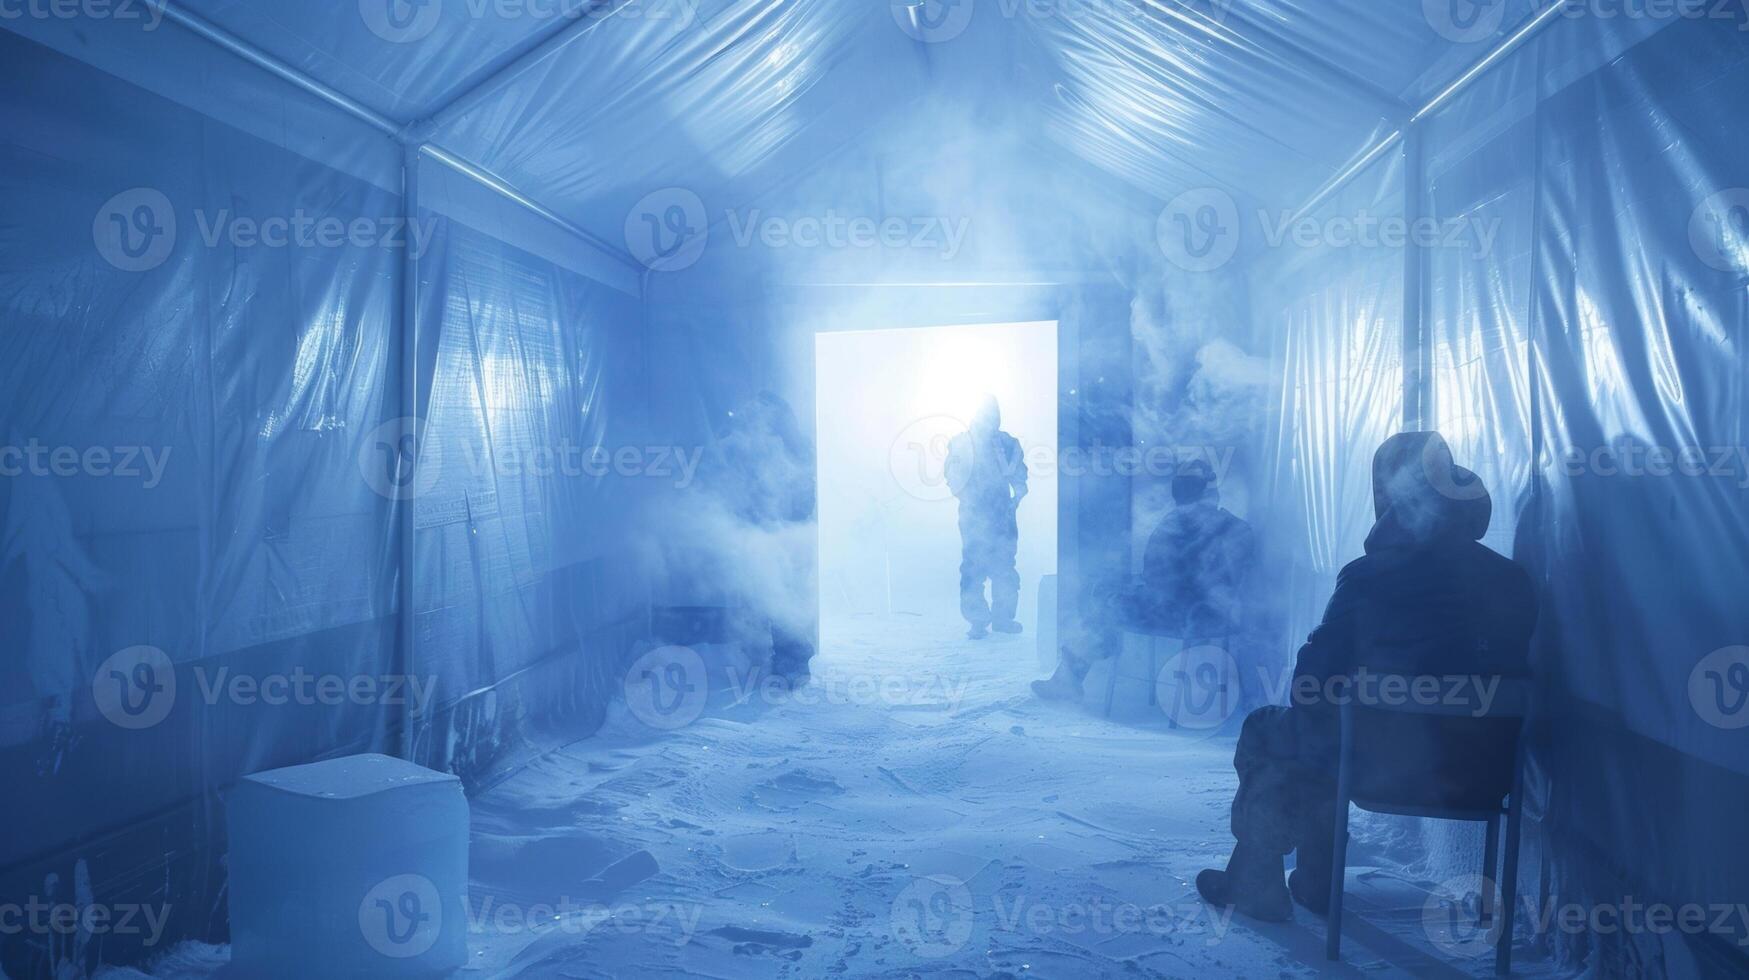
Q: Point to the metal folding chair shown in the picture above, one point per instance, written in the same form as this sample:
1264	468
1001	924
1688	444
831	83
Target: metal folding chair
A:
1512	701
1153	641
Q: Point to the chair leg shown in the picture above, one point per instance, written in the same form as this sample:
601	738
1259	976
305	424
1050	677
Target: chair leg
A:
1111	679
1338	879
1178	692
1153	672
1490	868
1227	650
1509	875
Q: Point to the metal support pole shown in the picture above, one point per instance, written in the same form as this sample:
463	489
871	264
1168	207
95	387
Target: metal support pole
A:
1417	351
273	66
496	184
1530	29
469	98
409	135
1257	33
412	411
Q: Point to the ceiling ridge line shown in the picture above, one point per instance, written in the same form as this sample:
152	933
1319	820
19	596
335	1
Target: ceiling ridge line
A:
412	134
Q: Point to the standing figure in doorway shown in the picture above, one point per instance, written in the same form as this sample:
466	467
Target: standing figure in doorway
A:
986	470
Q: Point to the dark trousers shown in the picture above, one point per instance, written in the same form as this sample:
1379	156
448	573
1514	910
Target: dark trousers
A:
1287	788
1132	607
790	653
989	542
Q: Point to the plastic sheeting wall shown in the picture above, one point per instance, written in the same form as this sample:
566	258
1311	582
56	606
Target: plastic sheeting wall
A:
1585	319
1609	304
522	521
232	401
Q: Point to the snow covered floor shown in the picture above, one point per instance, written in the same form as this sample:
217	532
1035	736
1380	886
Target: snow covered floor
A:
916	811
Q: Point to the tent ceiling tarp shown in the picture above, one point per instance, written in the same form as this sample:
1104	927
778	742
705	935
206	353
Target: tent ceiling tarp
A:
587	106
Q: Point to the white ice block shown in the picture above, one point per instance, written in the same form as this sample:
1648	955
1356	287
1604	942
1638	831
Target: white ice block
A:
354	867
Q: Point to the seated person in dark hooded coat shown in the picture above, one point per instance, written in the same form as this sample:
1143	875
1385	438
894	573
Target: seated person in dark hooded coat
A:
1426	600
1193	571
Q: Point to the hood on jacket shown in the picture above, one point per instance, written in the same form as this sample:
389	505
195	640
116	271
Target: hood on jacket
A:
1421	495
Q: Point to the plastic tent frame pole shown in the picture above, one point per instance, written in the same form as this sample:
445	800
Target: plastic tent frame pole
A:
1372	153
468	99
1416	348
412	134
273	66
1214	25
414	391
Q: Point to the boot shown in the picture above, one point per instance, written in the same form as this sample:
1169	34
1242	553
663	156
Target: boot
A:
1312	892
1252	884
1006	626
1315	849
1062	686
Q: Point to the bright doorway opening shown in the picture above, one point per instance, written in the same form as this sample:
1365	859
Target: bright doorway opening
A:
888	403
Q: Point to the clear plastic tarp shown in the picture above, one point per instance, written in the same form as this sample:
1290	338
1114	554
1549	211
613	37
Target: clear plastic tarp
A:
259	260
